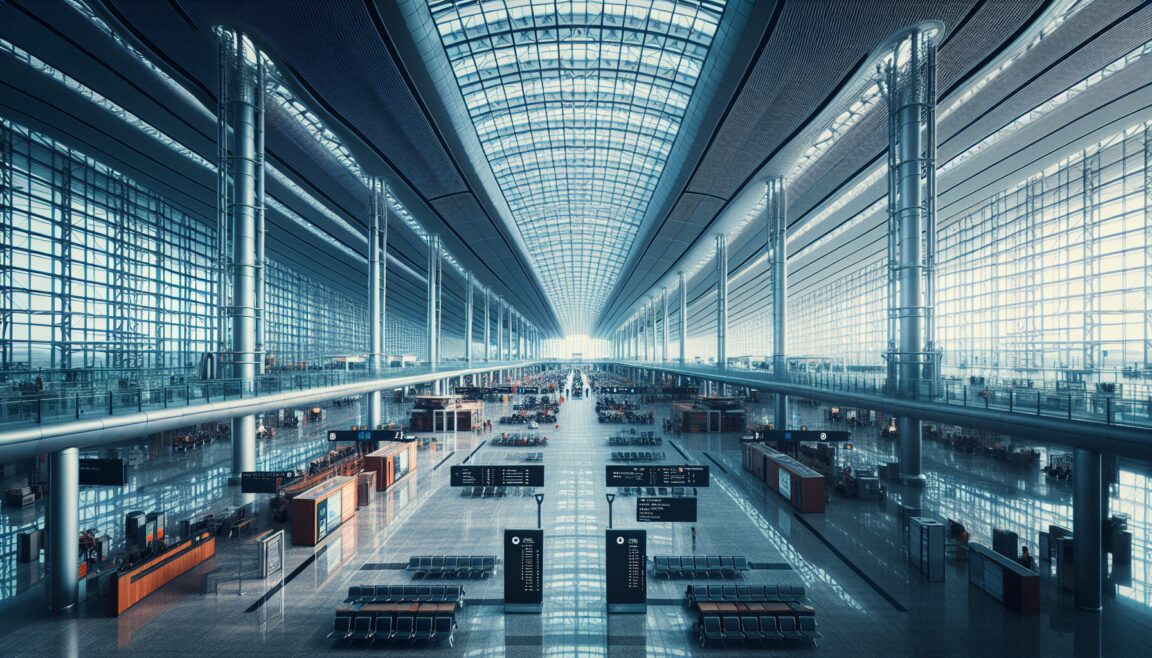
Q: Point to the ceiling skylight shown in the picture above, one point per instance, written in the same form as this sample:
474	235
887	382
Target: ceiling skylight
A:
577	105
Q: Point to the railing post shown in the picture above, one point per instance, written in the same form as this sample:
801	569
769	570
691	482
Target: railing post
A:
1069	406
1108	410
965	396
1011	400
140	399
109	403
39	408
1038	403
77	406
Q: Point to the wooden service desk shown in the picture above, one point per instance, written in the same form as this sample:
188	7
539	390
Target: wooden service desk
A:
131	586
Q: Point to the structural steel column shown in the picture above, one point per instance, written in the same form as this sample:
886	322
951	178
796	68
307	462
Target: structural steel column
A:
721	301
664	324
243	209
63	529
433	308
487	326
499	329
909	107
652	323
377	265
682	320
260	269
776	210
469	302
1087	529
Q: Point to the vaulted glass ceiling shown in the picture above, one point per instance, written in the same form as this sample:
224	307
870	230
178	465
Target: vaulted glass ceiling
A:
577	105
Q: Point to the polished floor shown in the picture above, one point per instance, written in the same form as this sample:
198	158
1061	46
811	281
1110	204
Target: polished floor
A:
868	602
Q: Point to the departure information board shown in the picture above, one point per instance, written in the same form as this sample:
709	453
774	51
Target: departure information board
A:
627	570
523	570
497	476
264	481
680	509
107	472
617	390
368	435
656	476
807	436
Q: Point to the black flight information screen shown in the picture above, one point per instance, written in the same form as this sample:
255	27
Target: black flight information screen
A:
497	476
666	510
656	476
523	568
627	570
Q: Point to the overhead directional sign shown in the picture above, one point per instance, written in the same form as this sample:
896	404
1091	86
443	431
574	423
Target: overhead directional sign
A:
368	435
812	436
656	476
678	509
497	476
264	481
107	472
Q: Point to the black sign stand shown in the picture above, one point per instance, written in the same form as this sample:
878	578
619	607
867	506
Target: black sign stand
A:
523	571
539	505
610	497
626	570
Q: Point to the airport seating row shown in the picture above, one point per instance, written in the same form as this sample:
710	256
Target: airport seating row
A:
628	440
534	457
641	456
656	491
484	492
749	629
520	441
743	593
699	566
452	566
383	627
390	594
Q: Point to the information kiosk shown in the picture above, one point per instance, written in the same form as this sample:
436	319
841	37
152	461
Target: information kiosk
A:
627	570
523	570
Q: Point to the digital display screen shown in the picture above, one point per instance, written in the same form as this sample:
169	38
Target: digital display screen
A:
679	509
366	435
497	476
108	472
807	436
264	481
523	567
656	476
626	567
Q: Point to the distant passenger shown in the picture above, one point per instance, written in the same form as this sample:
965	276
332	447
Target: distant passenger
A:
1026	560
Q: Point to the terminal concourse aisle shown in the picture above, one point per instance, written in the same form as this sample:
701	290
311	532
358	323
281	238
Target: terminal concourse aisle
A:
737	516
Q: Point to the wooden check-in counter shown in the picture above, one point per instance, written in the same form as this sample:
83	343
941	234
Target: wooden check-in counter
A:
131	586
391	463
316	513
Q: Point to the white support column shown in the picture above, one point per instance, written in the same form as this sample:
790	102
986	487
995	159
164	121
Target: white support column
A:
377	281
776	215
63	523
721	301
469	303
682	319
434	308
487	325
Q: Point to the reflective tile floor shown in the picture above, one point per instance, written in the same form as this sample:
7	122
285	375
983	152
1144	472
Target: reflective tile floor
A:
868	602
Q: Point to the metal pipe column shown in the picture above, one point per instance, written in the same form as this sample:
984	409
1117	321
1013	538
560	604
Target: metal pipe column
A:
776	209
1087	529
63	529
244	207
721	301
377	250
664	324
433	308
470	301
487	326
682	320
652	323
909	105
259	310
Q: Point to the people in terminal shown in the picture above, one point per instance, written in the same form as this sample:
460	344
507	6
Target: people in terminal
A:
1026	560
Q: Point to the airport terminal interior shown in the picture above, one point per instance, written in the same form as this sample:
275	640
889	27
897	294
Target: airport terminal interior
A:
575	327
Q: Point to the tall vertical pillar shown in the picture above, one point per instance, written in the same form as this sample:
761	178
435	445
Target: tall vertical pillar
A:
244	71
63	529
1087	529
721	301
652	324
258	311
682	318
434	309
487	325
910	91
664	324
776	210
377	282
508	333
469	303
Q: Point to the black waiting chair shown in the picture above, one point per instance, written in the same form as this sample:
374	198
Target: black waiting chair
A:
731	625
424	629
788	629
808	628
444	630
363	628
384	627
341	628
405	629
751	629
710	630
769	630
